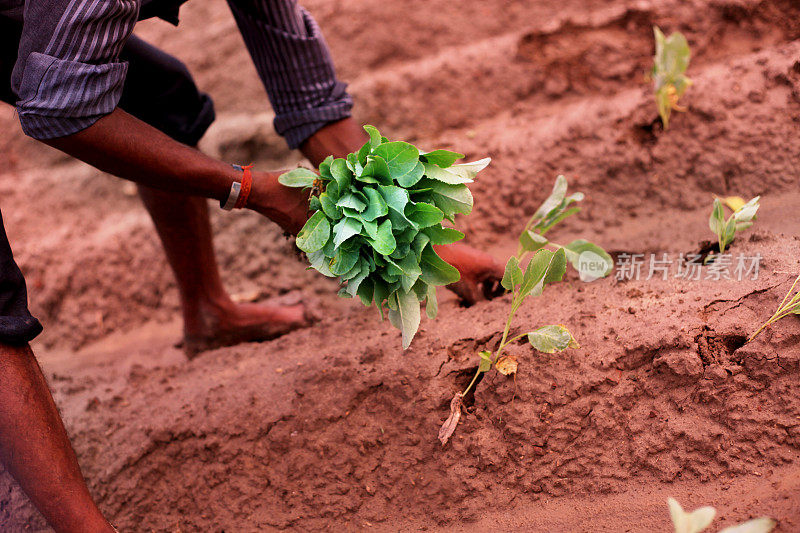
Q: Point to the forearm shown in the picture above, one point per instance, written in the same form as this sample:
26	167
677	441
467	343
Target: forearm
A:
337	139
122	145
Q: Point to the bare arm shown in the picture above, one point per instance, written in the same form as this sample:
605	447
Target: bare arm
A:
122	145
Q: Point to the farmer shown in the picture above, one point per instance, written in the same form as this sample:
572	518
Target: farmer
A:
81	83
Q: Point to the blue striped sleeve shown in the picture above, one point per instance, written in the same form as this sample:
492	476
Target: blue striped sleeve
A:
68	74
294	64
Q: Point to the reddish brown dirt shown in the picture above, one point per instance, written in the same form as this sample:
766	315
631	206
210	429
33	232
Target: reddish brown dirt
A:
334	426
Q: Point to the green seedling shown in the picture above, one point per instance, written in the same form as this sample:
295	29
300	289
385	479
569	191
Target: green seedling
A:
669	67
590	260
376	216
742	218
789	306
699	519
545	267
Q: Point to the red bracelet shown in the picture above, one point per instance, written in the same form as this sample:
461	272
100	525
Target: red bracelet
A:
247	184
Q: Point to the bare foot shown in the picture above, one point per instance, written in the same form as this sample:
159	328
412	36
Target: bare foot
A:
480	272
228	323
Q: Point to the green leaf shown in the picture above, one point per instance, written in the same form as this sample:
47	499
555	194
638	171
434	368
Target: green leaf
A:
717	220
435	270
376	168
419	243
319	263
559	215
401	157
325	167
363	152
431	305
747	212
591	261
557	267
551	339
344	260
299	177
376	205
440	235
329	207
512	275
425	215
374	136
396	199
451	199
469	170
351	201
409	315
442	158
554	200
439	174
534	274
410	271
384	243
486	362
346	228
729	233
370	228
545	267
411	179
341	174
315	233
355	282
530	241
365	291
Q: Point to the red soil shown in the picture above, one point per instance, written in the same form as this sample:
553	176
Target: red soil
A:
335	426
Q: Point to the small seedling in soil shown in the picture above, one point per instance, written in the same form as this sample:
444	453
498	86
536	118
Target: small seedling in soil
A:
669	67
376	216
590	260
789	306
742	218
545	267
701	518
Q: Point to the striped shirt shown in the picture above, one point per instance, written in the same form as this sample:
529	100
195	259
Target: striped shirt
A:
68	73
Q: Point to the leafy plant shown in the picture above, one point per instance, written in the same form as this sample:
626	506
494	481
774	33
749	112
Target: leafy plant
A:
701	518
590	260
789	306
546	266
669	67
742	218
376	216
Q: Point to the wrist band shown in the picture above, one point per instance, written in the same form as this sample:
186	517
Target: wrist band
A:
237	198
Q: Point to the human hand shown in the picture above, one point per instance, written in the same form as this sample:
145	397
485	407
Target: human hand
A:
480	272
286	206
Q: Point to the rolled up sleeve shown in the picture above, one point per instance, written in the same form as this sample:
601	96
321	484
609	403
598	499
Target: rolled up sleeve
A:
68	74
295	66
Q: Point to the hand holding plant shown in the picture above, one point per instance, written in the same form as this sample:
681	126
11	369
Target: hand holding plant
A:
376	216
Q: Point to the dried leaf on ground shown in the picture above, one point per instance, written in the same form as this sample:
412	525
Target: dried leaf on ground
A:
507	365
450	424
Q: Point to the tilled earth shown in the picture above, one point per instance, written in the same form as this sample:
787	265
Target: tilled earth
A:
334	426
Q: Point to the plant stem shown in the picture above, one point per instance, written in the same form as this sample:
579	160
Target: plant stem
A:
784	310
503	343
